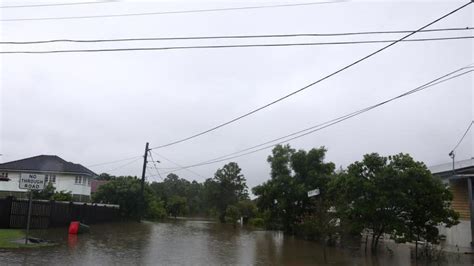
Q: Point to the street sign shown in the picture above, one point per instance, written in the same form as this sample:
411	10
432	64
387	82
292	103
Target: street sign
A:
313	193
32	181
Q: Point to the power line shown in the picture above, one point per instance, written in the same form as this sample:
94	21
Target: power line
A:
329	123
61	4
179	166
232	46
154	165
299	136
311	84
171	12
116	161
463	136
122	166
234	36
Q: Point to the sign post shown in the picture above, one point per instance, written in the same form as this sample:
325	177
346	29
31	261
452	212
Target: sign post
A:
30	182
30	201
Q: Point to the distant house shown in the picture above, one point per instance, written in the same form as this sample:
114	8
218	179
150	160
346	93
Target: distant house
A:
461	185
62	174
96	184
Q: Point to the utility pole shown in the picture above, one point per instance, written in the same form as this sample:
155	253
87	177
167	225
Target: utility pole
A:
453	155
142	200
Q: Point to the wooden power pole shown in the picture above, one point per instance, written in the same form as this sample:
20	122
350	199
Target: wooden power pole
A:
142	189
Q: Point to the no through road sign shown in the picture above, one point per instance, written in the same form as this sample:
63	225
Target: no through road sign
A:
31	181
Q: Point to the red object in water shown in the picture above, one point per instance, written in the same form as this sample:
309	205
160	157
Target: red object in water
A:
74	228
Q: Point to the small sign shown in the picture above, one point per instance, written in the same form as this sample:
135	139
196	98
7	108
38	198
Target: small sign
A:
32	181
313	193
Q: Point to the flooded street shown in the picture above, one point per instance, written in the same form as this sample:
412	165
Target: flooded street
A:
189	242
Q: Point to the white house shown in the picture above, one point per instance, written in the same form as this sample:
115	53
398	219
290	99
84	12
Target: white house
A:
62	174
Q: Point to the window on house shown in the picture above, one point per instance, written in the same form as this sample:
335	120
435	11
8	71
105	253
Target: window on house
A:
50	179
4	175
78	179
88	182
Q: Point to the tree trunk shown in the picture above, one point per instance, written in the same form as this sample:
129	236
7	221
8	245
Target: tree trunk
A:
324	253
372	243
416	246
376	237
377	240
366	240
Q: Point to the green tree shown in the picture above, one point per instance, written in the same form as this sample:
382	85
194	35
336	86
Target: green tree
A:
126	192
426	203
195	198
283	199
393	195
105	176
193	192
247	208
232	215
226	188
176	205
368	197
62	195
156	210
50	193
44	194
211	195
276	197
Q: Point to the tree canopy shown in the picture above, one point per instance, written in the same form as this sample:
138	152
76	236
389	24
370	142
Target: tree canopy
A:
378	195
394	195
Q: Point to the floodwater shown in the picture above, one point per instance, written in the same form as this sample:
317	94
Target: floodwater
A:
192	242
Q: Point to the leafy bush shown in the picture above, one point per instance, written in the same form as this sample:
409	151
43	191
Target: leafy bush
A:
232	214
62	195
156	210
257	222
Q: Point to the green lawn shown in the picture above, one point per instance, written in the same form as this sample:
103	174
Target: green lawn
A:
7	236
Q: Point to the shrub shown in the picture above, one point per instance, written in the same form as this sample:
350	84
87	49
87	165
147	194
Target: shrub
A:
257	222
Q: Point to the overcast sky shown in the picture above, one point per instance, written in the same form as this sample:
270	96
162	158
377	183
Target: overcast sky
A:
90	108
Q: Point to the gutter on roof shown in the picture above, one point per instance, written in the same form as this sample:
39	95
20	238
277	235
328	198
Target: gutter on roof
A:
459	177
55	172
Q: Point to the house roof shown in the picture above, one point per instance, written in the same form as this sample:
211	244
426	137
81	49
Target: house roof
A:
463	166
46	163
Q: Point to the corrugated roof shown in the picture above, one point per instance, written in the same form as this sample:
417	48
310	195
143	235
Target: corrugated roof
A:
46	163
448	167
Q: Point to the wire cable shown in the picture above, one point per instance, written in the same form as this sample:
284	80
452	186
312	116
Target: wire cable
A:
172	12
111	162
154	165
463	136
61	4
122	166
234	36
179	166
313	83
329	123
232	46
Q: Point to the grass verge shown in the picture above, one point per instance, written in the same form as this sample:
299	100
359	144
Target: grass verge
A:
9	237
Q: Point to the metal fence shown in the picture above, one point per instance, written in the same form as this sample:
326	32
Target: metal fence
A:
44	214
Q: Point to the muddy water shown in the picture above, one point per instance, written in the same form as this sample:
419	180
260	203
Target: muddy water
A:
190	242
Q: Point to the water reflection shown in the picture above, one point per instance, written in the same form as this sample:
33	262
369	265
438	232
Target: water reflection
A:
72	241
194	243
